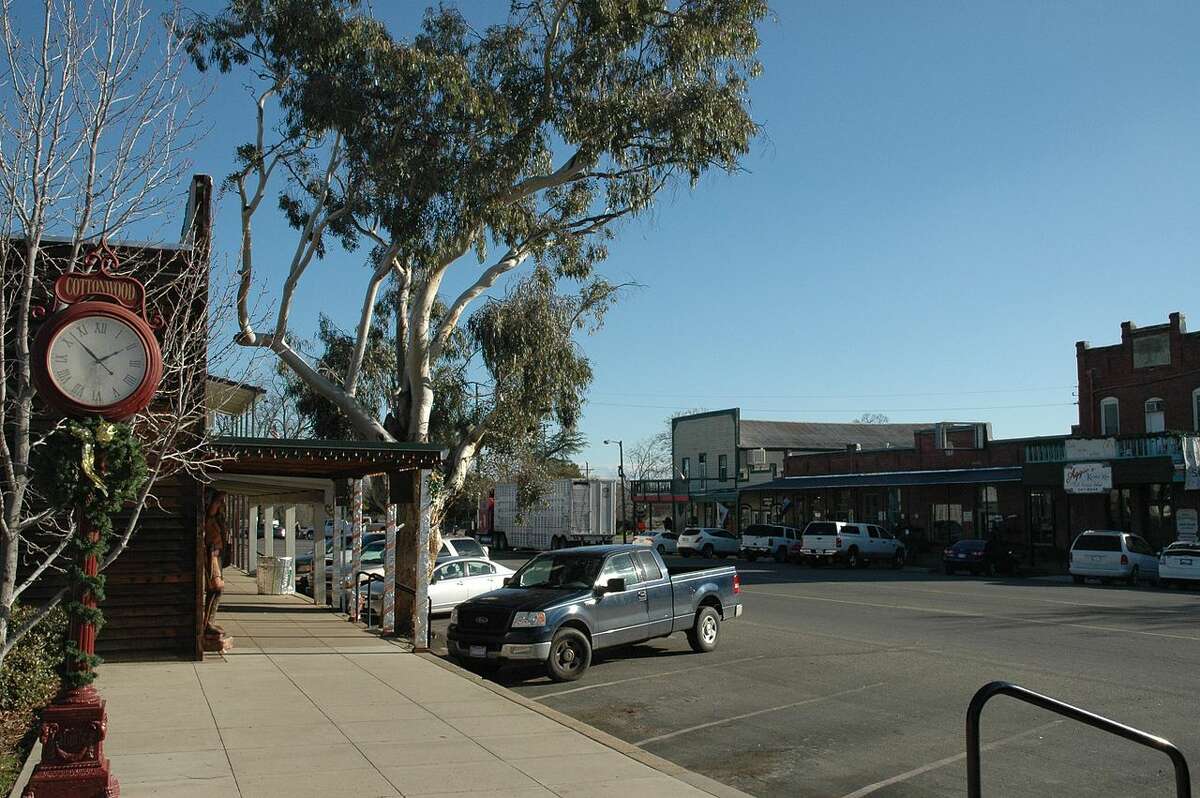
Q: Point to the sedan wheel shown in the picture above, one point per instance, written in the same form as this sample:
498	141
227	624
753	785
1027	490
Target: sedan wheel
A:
707	551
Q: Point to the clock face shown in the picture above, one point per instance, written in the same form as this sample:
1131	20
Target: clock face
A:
97	360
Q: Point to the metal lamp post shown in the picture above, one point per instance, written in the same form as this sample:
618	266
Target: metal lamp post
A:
621	474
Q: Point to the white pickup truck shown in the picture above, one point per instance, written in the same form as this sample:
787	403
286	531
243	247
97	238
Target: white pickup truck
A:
768	540
855	544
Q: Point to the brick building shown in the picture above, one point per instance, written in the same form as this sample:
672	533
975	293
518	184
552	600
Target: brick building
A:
1146	384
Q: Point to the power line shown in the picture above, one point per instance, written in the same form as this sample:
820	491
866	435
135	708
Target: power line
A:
841	396
796	411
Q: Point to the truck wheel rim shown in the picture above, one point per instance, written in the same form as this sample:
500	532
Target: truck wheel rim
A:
568	658
708	629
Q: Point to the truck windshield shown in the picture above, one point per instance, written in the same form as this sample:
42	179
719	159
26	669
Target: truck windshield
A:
562	571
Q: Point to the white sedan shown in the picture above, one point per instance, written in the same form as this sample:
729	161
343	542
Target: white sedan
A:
661	539
453	582
1179	564
707	542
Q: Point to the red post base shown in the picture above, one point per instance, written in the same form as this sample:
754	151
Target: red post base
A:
73	763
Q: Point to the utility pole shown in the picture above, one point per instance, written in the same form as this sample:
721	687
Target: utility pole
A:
621	474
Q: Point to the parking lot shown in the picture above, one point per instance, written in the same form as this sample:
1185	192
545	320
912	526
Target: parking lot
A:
853	683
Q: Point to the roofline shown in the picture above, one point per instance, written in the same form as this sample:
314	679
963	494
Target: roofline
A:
258	389
165	246
688	417
304	443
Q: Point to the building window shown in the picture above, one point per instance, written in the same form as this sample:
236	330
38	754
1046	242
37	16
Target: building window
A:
1161	528
947	523
1156	412
1110	416
685	467
989	521
722	467
702	460
1041	517
1196	410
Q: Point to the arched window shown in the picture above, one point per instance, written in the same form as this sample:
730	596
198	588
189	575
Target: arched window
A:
1110	416
1196	410
1156	415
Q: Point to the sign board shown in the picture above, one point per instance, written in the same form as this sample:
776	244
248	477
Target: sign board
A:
1087	478
1187	525
1090	449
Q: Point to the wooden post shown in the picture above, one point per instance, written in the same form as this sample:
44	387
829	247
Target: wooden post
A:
289	544
320	514
420	616
402	487
268	517
356	510
388	625
338	541
252	542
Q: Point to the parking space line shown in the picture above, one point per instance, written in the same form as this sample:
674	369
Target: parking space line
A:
968	614
780	708
646	676
950	760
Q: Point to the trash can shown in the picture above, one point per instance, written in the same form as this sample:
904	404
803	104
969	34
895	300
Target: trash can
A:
276	576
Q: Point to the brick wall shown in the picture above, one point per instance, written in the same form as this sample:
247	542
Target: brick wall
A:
1115	371
995	454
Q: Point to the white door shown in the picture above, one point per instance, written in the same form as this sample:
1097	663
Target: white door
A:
481	578
448	587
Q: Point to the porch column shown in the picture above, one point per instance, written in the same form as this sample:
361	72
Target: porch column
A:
420	616
289	541
268	516
338	541
356	510
410	490
320	514
252	540
388	622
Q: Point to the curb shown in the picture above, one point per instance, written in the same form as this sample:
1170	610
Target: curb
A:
704	783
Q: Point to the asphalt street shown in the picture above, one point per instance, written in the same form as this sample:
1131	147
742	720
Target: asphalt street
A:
853	683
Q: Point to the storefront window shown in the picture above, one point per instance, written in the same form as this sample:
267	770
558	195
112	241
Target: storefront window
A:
722	467
947	523
816	508
1041	517
1120	511
990	522
873	508
1161	527
843	510
894	505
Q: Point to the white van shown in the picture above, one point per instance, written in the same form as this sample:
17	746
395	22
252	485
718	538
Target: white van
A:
1106	554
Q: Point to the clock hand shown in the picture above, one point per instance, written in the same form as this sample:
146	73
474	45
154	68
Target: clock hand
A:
93	354
119	351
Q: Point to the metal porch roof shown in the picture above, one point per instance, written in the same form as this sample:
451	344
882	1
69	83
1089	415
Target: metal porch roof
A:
956	476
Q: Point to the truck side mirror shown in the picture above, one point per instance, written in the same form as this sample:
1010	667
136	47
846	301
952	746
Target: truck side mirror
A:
615	586
508	582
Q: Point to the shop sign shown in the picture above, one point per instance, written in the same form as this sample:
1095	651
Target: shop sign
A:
1090	449
1087	478
1187	525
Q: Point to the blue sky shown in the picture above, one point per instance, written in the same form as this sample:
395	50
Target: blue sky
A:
945	198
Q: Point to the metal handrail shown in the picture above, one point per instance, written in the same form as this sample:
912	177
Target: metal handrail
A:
1183	780
409	590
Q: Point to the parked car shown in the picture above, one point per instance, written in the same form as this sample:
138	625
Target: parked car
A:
1108	554
563	605
663	541
454	581
707	542
768	540
979	557
855	544
462	547
1179	564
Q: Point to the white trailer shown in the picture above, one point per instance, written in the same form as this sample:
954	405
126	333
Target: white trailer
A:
571	512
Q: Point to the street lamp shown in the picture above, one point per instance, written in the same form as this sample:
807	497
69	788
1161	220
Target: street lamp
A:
621	474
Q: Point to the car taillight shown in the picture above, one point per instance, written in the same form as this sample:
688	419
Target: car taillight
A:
837	542
737	583
1124	560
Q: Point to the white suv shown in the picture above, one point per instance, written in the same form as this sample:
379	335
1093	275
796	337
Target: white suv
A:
1109	554
707	542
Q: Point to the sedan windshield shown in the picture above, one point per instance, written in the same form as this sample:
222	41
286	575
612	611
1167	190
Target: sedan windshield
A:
560	571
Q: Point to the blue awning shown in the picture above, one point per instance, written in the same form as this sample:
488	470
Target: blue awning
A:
893	479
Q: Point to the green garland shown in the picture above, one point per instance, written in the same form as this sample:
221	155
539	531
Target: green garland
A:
95	467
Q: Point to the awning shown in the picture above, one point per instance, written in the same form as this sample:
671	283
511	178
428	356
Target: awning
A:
892	479
319	458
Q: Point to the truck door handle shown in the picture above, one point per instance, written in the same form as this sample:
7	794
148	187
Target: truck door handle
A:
641	595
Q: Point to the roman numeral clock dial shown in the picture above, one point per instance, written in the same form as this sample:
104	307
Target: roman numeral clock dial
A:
97	361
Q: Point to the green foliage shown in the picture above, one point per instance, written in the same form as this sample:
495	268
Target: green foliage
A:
113	455
29	678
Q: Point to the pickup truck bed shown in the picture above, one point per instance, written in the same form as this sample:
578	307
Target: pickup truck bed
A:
563	605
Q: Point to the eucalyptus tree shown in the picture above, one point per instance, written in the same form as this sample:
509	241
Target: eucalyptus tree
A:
458	155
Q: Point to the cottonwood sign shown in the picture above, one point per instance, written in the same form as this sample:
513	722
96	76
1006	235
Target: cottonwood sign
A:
1087	478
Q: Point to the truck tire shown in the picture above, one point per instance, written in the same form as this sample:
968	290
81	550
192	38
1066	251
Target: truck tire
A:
501	541
898	559
570	655
705	632
853	558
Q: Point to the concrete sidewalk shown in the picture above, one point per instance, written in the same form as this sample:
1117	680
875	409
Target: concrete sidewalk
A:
308	704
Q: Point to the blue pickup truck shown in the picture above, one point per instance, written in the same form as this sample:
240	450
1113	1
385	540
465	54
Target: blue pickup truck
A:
563	605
